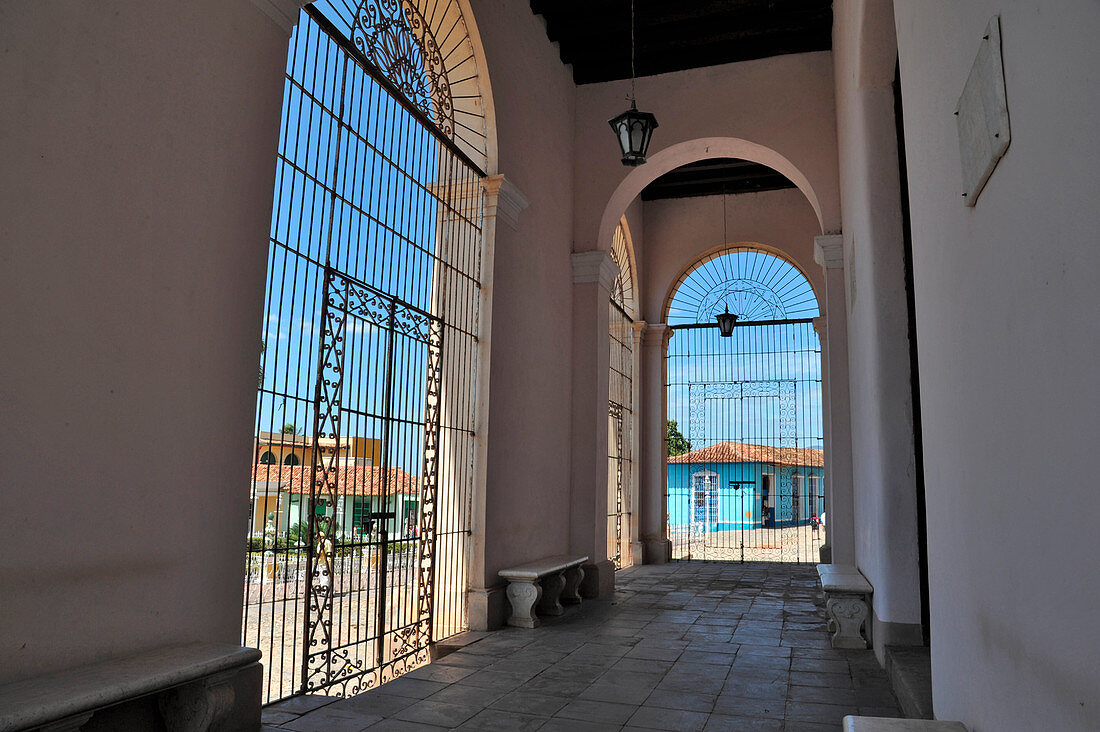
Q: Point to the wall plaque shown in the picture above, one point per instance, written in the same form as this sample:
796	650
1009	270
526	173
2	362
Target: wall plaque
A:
982	115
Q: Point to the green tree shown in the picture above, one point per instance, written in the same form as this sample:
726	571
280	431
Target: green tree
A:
288	428
677	443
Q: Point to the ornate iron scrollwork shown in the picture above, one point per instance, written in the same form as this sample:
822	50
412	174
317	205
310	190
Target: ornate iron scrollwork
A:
700	393
399	41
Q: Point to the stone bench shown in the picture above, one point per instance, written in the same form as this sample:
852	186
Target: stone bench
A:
192	688
847	605
542	586
886	724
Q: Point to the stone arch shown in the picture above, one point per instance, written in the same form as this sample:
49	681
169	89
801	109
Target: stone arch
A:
692	151
715	252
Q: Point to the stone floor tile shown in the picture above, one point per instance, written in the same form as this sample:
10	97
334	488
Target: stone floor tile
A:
486	679
375	702
301	704
328	719
669	719
529	702
270	716
831	681
715	657
688	701
416	688
823	713
795	725
642	665
631	678
616	693
463	660
820	665
728	723
441	714
752	708
438	672
589	710
561	724
474	696
567	687
822	695
497	720
703	685
761	688
657	654
400	725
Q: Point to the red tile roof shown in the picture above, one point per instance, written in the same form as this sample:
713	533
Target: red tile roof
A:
743	452
357	480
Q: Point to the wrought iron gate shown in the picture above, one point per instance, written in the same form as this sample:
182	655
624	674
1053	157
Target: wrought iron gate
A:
751	484
359	530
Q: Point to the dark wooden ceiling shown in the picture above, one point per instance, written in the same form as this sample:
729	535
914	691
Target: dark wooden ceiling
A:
672	35
714	177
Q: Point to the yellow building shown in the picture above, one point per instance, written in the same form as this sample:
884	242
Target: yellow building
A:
277	448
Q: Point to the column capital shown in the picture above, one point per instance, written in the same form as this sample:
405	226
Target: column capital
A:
821	327
656	334
594	266
503	200
639	328
829	251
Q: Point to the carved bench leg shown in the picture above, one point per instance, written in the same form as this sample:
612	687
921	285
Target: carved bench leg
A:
573	578
552	586
523	594
847	617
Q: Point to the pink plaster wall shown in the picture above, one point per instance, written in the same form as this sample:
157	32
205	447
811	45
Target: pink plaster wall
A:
527	494
680	230
781	105
138	143
883	474
1006	301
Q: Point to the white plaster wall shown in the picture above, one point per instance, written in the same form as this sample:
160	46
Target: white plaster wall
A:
680	230
784	104
884	468
527	498
138	144
1007	298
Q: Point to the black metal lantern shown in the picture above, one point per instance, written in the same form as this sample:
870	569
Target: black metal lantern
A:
726	322
634	129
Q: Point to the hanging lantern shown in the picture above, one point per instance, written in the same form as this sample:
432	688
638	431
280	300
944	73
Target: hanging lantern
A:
726	322
633	128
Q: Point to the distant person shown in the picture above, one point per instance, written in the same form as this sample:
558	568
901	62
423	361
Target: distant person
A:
814	521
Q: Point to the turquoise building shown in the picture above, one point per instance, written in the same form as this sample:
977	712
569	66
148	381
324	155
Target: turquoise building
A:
737	485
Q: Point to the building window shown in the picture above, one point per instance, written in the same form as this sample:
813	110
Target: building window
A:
704	485
268	458
291	459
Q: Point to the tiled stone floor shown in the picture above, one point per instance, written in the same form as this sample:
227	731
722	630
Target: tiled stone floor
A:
684	646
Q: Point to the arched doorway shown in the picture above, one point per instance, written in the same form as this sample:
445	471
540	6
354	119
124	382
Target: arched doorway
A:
370	345
745	471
